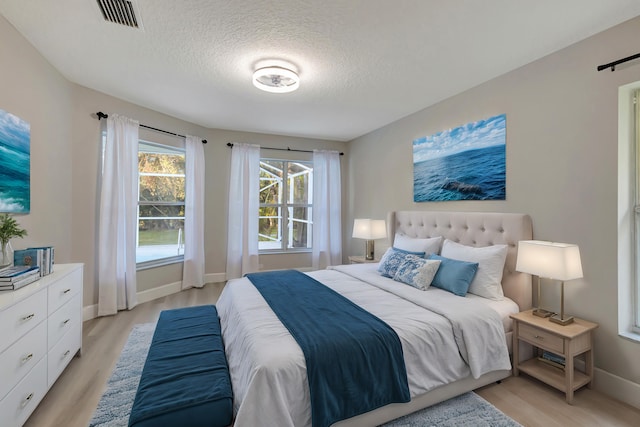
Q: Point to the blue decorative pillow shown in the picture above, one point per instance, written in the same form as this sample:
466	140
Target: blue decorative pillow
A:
417	272
391	261
453	275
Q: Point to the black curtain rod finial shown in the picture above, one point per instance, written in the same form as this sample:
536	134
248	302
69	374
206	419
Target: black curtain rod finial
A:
102	115
613	64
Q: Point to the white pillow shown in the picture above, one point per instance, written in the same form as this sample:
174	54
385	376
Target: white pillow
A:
411	244
488	279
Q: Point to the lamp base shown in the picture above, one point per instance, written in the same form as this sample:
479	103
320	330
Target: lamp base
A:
541	312
564	321
369	250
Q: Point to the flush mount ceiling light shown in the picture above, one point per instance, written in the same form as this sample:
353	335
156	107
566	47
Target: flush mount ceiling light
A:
276	79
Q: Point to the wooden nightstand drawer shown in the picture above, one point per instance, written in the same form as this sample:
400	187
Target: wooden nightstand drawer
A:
542	339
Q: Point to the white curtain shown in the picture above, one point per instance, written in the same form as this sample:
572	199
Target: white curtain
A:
193	270
244	186
118	217
327	214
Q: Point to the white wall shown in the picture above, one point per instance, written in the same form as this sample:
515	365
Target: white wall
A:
562	120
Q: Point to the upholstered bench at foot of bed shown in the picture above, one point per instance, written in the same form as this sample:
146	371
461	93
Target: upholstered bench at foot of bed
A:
185	379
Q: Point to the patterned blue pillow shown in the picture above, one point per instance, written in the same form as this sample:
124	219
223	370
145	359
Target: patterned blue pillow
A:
417	272
453	275
391	261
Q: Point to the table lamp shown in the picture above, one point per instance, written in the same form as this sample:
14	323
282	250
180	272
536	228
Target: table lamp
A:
369	229
551	260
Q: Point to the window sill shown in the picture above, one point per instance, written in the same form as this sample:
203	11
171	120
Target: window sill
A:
159	262
630	335
280	252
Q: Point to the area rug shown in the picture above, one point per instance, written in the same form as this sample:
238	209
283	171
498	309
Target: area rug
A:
467	410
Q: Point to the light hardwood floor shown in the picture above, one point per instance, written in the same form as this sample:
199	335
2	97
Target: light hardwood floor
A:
74	397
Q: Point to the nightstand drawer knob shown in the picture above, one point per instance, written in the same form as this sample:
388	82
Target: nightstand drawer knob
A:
538	337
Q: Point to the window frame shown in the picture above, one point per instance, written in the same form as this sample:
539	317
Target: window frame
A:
173	259
628	220
283	209
635	147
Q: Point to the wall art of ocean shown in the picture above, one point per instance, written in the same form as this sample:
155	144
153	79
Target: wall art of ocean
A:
15	136
476	174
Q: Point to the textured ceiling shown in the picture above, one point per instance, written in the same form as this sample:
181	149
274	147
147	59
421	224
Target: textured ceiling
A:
362	63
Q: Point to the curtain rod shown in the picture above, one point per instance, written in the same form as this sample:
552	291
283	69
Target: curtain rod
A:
102	115
230	145
613	64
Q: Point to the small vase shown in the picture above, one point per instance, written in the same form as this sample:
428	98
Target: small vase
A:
6	258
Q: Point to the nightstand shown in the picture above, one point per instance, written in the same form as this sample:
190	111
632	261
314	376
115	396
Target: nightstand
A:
361	260
568	341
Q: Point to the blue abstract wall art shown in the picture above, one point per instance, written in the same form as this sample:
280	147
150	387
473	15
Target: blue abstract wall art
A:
464	163
15	164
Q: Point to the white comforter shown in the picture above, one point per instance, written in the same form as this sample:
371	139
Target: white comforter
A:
444	338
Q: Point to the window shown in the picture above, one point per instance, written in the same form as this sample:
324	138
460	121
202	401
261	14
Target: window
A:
629	211
636	209
286	206
161	192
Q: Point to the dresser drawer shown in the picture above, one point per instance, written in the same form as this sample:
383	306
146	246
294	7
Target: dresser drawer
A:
20	318
64	289
17	360
16	407
64	319
62	353
541	338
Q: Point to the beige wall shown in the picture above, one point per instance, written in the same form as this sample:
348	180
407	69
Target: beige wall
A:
86	134
561	169
33	90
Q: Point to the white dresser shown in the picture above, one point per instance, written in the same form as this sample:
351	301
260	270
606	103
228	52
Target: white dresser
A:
40	331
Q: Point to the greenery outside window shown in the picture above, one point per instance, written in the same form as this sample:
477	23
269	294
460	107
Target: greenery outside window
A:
161	194
285	212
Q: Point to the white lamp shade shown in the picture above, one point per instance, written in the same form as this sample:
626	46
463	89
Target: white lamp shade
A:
558	261
369	229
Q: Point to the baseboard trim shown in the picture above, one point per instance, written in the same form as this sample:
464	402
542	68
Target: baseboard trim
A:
91	311
617	387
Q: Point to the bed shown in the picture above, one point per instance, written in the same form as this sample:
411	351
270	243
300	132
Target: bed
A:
267	366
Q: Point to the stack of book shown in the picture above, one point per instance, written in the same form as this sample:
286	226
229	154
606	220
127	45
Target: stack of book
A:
552	359
12	278
41	257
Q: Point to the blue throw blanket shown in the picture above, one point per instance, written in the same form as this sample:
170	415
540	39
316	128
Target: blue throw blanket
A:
354	360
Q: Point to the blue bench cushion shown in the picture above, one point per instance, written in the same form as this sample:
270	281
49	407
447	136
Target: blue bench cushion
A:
185	376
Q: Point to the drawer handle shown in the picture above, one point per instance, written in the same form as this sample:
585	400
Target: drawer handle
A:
26	400
26	358
66	353
66	321
29	317
66	291
538	337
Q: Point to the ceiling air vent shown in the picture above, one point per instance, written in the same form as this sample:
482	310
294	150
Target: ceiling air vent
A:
119	12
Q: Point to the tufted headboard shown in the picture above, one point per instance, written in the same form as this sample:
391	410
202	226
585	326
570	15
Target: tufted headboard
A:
474	229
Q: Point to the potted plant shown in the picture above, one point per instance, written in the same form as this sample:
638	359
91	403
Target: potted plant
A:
9	229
